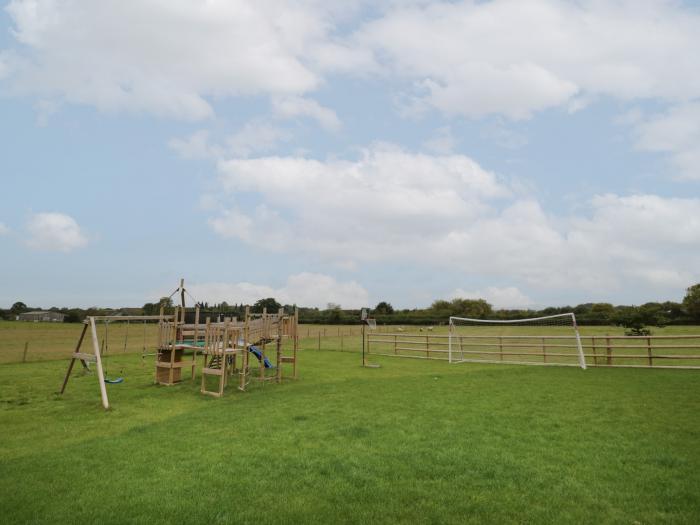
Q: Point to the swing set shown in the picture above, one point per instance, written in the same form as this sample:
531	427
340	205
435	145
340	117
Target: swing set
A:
101	349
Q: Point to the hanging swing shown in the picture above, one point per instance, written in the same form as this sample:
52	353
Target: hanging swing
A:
105	347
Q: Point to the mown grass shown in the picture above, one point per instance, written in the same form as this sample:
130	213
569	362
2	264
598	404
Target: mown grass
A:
410	442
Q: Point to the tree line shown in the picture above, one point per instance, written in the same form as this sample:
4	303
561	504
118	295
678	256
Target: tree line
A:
648	314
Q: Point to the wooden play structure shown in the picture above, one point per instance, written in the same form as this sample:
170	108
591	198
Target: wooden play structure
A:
225	346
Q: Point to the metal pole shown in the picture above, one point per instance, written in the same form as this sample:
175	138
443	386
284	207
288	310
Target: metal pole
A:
363	344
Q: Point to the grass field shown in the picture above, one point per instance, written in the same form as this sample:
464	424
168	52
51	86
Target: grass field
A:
410	442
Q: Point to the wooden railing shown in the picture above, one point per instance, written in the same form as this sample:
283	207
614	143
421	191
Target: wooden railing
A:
663	351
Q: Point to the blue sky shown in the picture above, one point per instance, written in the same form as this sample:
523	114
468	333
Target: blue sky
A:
531	153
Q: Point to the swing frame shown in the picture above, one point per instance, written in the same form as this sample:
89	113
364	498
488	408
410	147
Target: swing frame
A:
96	355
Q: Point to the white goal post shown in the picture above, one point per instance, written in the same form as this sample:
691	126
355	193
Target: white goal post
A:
507	343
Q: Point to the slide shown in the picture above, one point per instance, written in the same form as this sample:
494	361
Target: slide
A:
257	353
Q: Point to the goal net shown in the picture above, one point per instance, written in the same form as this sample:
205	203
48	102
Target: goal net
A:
549	340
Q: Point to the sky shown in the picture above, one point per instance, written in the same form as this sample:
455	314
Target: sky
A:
528	152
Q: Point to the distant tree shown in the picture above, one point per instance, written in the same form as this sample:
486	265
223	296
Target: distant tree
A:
476	308
441	306
18	308
602	312
270	303
583	308
654	314
333	306
73	316
691	302
384	308
632	318
165	302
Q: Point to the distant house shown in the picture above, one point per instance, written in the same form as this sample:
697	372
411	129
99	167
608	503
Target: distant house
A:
50	317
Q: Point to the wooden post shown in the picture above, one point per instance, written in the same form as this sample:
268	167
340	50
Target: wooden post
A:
341	341
196	339
608	350
72	361
500	346
98	361
245	358
24	354
172	349
395	350
319	341
296	341
544	351
427	346
651	363
278	362
595	353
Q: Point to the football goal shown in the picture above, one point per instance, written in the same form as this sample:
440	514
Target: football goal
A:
548	340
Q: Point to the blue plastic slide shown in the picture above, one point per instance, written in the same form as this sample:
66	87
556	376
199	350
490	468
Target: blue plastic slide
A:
257	353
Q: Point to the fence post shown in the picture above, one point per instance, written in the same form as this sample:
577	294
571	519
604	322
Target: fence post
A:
341	341
395	350
544	351
24	354
608	350
649	351
595	353
500	346
319	340
427	346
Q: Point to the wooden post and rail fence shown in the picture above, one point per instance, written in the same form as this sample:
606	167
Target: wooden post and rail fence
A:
662	351
602	350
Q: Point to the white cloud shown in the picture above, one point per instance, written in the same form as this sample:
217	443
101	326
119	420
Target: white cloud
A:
469	58
54	232
517	57
303	289
4	229
289	107
388	197
447	212
677	133
167	58
254	137
504	298
196	146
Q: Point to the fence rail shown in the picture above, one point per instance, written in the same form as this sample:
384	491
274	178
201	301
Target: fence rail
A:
599	350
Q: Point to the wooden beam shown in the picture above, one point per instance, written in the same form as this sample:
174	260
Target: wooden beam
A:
98	361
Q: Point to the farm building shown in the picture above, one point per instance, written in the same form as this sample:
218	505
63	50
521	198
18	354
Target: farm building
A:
52	317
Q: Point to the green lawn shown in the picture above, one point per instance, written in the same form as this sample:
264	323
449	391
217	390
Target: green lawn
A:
413	442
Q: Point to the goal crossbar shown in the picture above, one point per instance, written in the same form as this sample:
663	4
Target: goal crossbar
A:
501	322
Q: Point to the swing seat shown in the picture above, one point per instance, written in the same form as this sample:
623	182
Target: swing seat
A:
114	381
